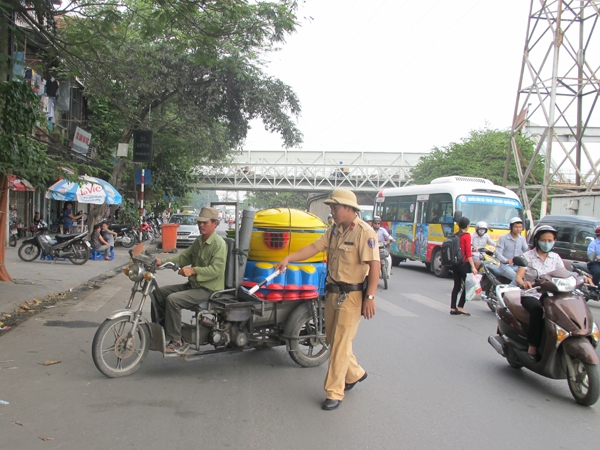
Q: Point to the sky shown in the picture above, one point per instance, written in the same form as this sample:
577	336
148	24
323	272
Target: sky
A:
399	75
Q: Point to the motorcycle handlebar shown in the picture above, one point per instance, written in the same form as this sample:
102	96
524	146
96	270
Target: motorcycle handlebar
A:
170	265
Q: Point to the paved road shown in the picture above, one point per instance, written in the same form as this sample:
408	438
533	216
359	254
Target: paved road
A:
434	382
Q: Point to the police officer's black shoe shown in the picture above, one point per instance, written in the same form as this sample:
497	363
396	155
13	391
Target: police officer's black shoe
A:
351	385
329	404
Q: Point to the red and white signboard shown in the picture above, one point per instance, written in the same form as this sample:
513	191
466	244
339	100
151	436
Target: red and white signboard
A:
81	141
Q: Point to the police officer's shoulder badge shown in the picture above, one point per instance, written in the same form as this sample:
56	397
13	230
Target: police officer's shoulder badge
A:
371	242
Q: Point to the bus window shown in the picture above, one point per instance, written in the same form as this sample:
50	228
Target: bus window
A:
439	208
390	207
406	208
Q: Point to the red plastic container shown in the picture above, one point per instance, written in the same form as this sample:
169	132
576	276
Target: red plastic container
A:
169	236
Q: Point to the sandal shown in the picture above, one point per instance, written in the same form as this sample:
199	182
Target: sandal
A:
464	313
176	347
455	312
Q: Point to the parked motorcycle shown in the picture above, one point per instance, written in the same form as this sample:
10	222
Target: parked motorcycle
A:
126	235
146	232
74	247
14	234
570	333
489	279
588	292
233	320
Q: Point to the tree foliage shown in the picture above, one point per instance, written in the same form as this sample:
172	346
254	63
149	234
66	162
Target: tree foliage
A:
271	199
481	154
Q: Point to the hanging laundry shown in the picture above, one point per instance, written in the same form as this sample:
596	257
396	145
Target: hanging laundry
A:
52	87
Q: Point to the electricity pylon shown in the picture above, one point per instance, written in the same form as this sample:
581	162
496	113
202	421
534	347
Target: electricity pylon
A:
558	91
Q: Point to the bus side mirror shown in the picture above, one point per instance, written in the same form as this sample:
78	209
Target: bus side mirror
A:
457	216
527	224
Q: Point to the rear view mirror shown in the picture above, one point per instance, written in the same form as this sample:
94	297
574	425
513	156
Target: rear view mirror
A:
457	216
520	261
527	224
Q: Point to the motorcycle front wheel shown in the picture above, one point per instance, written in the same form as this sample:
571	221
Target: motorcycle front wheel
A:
384	275
13	240
585	389
309	351
81	253
29	252
117	354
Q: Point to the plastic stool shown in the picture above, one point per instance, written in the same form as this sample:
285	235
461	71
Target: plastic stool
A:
96	255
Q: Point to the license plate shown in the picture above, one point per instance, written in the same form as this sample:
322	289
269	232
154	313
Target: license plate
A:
88	244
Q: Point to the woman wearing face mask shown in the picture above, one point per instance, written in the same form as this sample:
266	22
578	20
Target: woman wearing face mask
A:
542	260
480	239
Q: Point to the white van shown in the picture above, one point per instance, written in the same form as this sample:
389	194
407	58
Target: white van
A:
365	210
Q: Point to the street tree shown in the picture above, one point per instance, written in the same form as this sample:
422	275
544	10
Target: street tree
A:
273	199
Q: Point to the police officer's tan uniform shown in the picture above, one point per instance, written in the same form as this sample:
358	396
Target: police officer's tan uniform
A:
348	251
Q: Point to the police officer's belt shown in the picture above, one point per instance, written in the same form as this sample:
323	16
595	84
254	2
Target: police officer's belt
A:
343	287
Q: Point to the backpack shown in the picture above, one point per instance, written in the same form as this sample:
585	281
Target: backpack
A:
452	254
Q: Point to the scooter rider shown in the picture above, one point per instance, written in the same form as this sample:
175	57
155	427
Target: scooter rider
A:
480	239
384	238
541	261
510	245
593	252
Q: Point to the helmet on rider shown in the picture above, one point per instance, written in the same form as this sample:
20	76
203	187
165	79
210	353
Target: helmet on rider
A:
481	225
539	230
597	231
376	219
329	216
515	220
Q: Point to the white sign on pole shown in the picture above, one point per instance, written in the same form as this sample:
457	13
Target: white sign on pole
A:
81	141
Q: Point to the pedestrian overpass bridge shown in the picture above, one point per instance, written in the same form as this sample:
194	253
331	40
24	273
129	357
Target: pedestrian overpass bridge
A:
297	170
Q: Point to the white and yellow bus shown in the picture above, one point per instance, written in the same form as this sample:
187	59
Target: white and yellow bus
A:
421	217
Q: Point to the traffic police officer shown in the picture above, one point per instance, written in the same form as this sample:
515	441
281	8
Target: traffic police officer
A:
353	256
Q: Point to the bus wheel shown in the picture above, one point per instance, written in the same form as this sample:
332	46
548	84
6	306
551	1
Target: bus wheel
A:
396	260
438	269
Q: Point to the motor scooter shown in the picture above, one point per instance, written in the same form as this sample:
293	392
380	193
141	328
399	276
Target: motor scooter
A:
570	333
589	292
74	247
490	279
14	234
126	234
233	320
384	254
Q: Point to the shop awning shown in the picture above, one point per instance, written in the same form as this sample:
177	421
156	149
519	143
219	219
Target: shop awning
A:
17	184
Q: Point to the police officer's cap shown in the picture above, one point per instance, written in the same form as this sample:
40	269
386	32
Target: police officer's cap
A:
342	197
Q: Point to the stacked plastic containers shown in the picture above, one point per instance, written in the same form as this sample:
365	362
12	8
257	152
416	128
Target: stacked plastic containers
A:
276	234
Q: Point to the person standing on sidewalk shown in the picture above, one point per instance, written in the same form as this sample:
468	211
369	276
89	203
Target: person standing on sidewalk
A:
204	265
352	257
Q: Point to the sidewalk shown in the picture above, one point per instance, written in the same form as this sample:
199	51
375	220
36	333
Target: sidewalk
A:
37	279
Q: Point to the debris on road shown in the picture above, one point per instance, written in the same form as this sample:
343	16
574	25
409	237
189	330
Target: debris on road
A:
4	402
49	363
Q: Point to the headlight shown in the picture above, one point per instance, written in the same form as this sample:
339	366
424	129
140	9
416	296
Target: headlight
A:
136	272
565	284
595	333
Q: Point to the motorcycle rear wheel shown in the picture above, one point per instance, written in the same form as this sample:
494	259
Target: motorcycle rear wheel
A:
131	242
29	252
12	240
307	352
586	387
113	354
82	252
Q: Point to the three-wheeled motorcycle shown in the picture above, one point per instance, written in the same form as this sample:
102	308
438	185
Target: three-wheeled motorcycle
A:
233	320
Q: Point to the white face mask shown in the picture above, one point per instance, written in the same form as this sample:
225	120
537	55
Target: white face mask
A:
546	246
480	232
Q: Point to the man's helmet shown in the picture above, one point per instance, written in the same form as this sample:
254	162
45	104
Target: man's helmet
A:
329	216
481	224
515	220
376	219
539	230
597	230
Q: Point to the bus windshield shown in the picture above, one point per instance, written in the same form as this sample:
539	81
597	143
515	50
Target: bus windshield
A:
496	211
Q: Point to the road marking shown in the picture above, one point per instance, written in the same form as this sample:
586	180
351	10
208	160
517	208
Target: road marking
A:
394	310
428	302
97	299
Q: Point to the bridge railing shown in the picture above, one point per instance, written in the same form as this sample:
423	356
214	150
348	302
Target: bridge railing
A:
290	176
